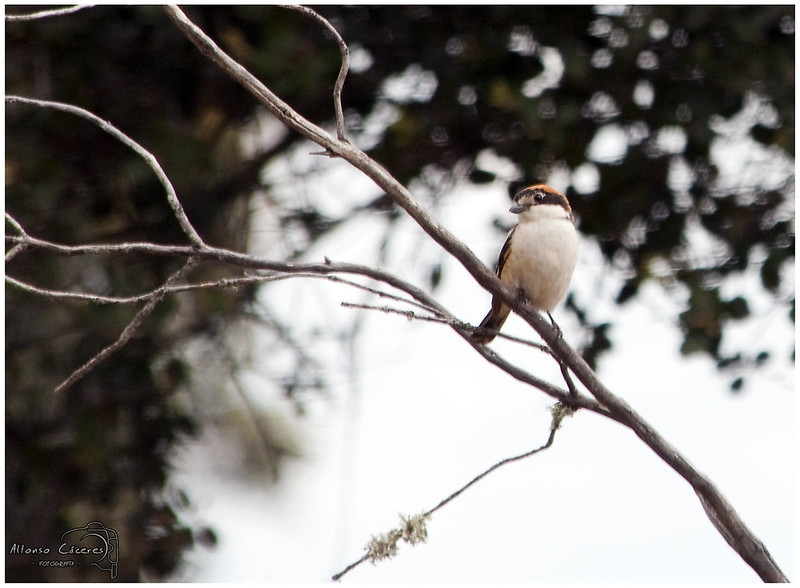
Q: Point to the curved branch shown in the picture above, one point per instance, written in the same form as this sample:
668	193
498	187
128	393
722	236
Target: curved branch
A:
343	69
558	412
149	158
722	514
327	270
46	13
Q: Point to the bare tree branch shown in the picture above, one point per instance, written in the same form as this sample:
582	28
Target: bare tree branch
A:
46	13
128	332
572	399
148	157
160	291
326	270
749	547
719	511
559	412
411	315
14	223
413	529
14	251
345	52
21	245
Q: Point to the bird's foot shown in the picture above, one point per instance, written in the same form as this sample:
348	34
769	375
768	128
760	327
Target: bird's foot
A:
554	324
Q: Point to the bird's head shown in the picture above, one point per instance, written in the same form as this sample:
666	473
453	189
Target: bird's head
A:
540	201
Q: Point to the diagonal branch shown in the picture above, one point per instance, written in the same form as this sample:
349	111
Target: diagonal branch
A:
722	514
128	332
149	158
418	532
411	315
327	270
558	414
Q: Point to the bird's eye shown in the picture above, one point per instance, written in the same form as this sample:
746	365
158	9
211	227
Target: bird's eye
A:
538	197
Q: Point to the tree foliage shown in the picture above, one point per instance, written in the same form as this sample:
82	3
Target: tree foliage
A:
548	88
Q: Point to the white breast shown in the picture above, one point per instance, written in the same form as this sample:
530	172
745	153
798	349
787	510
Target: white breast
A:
542	256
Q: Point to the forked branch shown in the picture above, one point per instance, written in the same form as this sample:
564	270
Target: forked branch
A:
719	511
276	270
129	330
413	529
722	514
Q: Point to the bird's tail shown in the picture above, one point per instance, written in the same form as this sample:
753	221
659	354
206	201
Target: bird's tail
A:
492	323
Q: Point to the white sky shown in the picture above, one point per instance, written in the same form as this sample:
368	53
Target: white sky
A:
425	414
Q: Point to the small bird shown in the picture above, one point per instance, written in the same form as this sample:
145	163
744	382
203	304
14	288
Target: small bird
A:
538	257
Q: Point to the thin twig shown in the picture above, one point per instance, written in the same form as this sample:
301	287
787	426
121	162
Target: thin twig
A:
327	270
558	413
499	464
157	292
149	158
573	399
46	13
127	333
102	249
409	314
343	69
338	576
451	321
383	294
14	223
567	378
14	251
233	283
21	244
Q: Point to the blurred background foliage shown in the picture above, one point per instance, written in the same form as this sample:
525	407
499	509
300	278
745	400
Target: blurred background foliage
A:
431	90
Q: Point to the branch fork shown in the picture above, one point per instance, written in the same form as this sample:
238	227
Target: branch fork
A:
602	400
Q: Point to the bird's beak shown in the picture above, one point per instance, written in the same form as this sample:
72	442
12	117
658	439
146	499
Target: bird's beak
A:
518	208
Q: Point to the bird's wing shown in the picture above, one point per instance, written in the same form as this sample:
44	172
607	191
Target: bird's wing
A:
504	252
